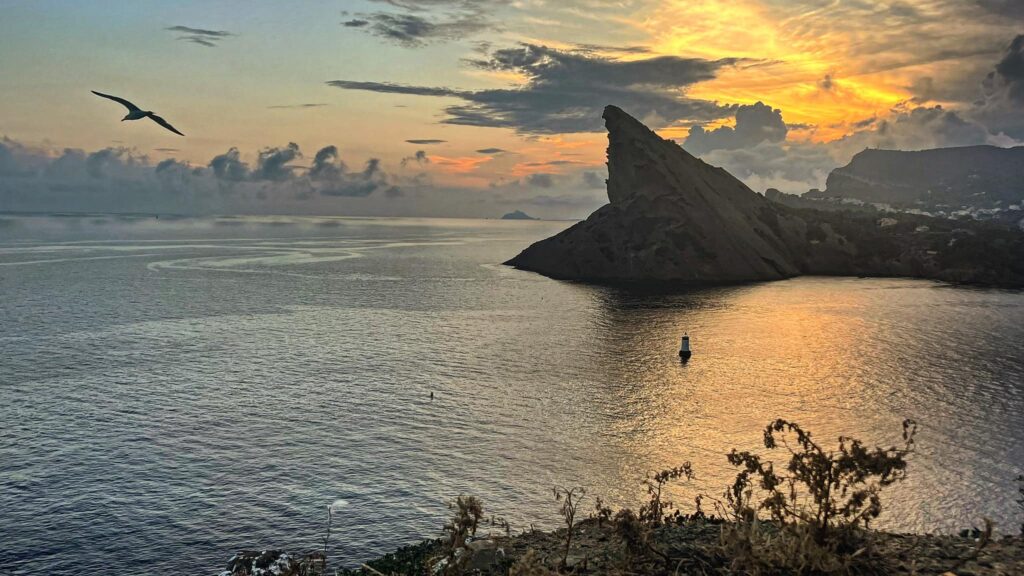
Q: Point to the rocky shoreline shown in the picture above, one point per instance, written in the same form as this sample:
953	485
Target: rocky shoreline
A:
674	219
689	547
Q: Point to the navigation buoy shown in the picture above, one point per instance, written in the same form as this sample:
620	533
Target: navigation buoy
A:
684	348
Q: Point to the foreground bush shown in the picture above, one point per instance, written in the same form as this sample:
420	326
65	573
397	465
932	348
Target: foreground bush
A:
806	514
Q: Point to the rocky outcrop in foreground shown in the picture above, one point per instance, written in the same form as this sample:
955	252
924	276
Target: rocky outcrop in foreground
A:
275	563
672	218
689	548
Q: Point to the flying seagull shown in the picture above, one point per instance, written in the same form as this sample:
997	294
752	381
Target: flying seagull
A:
136	113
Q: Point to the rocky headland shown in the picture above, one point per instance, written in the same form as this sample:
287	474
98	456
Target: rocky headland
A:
983	177
672	218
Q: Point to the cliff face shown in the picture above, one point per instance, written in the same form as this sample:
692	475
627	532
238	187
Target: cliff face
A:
673	218
670	217
973	176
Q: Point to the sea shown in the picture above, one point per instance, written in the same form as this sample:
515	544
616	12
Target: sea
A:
173	390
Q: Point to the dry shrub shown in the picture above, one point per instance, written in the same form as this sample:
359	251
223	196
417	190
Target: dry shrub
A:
530	564
634	534
467	513
601	513
569	500
757	548
816	506
655	511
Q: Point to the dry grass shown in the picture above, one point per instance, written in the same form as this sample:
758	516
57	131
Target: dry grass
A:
806	515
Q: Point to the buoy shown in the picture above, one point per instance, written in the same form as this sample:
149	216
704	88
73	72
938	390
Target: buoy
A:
684	348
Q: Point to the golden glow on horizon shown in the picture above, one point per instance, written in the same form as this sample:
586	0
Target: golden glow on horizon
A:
790	57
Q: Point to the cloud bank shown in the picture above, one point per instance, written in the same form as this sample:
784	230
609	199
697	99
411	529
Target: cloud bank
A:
121	180
565	91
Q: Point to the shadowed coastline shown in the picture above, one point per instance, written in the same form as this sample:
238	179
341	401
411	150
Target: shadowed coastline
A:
673	219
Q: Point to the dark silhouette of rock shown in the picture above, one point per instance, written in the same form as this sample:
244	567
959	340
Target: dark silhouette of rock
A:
518	215
673	218
968	177
670	217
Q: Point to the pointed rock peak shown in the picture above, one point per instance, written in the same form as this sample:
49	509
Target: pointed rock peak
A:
641	163
616	120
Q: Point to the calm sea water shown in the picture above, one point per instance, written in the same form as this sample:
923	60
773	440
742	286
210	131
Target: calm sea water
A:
174	390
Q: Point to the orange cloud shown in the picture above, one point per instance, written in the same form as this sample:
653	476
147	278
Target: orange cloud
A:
827	66
460	164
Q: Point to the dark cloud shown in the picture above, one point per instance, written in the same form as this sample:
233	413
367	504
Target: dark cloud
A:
420	157
330	177
425	141
1001	106
424	22
796	167
100	162
200	31
71	163
167	149
201	40
200	36
414	31
566	91
1009	71
755	123
602	48
8	165
362	184
296	106
540	180
391	88
827	83
422	5
229	166
327	165
169	165
924	127
15	160
272	163
593	179
490	151
861	124
1011	8
552	163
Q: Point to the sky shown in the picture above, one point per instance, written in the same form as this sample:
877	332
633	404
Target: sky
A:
474	108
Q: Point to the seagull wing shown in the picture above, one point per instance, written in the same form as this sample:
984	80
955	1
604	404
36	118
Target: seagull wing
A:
131	107
164	123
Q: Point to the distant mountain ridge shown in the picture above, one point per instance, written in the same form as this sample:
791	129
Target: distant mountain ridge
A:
672	218
972	176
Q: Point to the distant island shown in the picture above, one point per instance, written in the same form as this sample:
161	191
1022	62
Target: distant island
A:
672	218
518	215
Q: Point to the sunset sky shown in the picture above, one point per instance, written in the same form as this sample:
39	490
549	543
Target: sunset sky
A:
476	108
